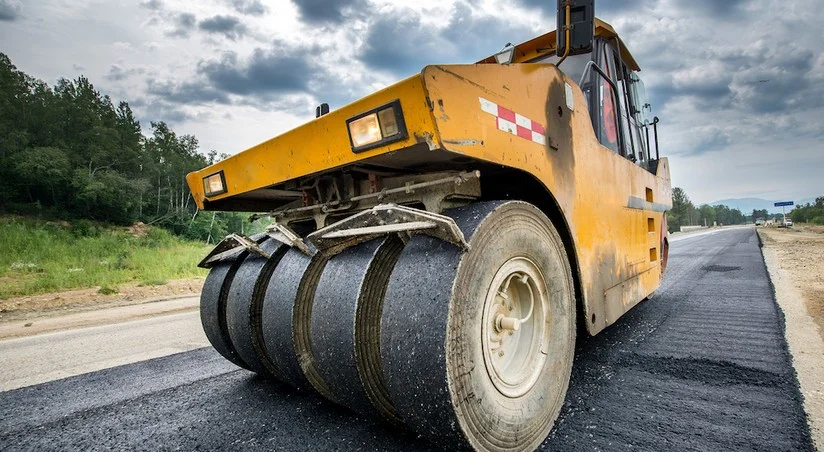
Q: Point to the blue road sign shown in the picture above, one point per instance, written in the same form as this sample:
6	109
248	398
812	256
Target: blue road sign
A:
783	203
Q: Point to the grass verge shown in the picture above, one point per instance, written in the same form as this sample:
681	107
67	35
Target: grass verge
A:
38	257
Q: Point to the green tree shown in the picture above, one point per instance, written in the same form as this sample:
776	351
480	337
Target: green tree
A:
809	213
44	171
683	211
71	151
760	214
707	215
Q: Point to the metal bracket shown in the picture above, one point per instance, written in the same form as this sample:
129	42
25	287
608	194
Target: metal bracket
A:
287	236
435	190
386	219
229	248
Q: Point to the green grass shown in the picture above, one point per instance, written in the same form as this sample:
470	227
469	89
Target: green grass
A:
38	257
153	282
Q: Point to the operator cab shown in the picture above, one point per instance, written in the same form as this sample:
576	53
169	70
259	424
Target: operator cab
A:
608	76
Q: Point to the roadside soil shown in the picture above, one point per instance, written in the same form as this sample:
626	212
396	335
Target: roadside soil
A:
800	251
73	301
795	260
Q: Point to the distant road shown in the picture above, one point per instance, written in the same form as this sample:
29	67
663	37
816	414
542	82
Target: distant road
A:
45	357
702	365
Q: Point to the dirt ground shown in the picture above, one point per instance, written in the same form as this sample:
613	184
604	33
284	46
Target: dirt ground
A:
800	251
61	303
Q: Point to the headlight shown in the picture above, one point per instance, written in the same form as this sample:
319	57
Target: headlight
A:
377	127
214	184
365	130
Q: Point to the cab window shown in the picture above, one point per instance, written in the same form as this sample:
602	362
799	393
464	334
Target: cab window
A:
608	119
573	66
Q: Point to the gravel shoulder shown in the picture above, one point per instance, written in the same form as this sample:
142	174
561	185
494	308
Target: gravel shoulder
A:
795	261
58	304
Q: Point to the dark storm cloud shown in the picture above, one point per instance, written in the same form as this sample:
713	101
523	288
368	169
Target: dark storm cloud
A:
779	81
187	93
399	43
756	79
275	70
603	9
325	11
158	110
161	111
184	23
118	73
475	38
713	8
401	56
708	139
9	10
249	7
154	5
228	26
280	77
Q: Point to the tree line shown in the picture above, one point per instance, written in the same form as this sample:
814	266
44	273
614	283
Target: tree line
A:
67	151
685	213
810	212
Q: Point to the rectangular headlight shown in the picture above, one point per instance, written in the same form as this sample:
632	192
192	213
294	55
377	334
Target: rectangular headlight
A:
214	184
365	130
377	127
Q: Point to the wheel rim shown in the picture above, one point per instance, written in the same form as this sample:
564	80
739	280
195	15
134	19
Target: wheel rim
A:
515	328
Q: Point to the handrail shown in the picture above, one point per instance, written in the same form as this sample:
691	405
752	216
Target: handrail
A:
655	131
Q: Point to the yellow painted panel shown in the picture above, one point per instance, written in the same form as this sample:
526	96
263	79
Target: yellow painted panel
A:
593	186
318	145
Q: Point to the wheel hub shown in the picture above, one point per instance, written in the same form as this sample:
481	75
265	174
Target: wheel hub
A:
515	329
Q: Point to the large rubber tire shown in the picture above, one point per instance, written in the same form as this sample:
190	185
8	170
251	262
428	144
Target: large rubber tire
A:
345	327
287	311
435	357
213	309
245	304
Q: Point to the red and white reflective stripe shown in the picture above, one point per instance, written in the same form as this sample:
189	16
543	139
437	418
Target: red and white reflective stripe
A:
515	123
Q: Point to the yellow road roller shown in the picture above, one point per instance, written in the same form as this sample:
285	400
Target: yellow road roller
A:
434	248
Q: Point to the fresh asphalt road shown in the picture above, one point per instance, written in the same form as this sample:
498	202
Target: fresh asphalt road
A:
703	365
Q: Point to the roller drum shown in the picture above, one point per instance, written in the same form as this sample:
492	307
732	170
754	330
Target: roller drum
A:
245	304
286	316
345	327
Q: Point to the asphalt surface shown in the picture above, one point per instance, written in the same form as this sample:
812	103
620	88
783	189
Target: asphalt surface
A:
703	365
45	357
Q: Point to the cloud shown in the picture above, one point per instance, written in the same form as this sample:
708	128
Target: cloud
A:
463	37
279	75
155	110
603	9
381	51
325	11
183	25
733	82
118	73
279	69
9	10
249	7
187	93
154	5
725	9
228	26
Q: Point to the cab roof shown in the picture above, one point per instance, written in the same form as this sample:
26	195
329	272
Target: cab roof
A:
545	45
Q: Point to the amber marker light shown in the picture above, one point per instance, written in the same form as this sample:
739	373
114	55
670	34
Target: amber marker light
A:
214	184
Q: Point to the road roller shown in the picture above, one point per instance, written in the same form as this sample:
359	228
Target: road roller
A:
434	249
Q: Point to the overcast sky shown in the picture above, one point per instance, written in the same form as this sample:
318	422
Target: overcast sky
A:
739	85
